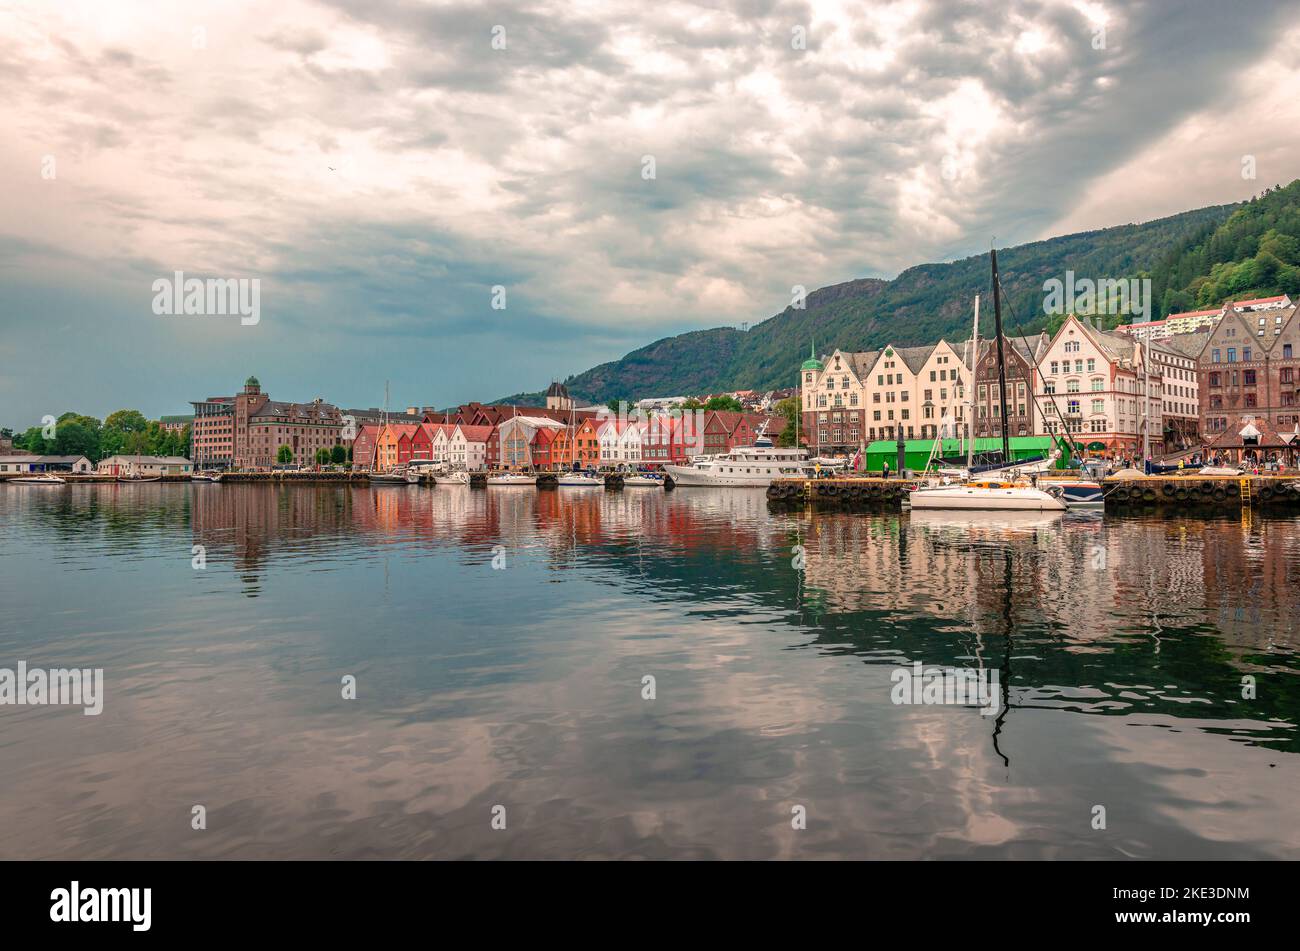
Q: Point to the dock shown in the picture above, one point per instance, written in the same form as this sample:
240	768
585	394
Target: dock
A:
839	493
1201	492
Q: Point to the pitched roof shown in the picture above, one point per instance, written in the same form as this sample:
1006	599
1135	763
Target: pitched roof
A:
476	433
1187	345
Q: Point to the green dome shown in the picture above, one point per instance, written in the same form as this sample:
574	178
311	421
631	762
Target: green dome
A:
251	381
812	363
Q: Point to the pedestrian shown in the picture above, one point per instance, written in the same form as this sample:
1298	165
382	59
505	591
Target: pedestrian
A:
885	469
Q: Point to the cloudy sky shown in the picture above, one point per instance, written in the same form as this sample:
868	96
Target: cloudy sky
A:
381	165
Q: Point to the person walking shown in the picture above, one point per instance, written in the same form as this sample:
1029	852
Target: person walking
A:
885	469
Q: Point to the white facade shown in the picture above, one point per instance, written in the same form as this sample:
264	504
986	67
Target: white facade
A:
1091	384
467	449
144	465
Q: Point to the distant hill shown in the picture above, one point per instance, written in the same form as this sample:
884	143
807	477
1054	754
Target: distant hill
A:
1194	259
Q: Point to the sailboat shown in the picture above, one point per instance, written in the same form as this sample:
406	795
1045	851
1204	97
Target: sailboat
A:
990	492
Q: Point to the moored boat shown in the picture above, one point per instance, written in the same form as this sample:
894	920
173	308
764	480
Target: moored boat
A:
398	476
207	475
991	494
579	479
135	477
643	480
38	480
745	467
511	478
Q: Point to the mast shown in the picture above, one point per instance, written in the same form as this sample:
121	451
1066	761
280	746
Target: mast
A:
1002	364
969	430
1146	407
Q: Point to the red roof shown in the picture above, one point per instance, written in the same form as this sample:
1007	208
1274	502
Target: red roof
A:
476	433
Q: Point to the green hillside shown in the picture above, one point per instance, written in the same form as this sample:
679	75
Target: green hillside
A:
1195	259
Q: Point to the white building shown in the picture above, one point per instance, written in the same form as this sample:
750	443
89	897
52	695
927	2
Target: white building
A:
143	465
467	448
1092	385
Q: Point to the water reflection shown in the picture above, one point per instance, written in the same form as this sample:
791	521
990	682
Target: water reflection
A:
1121	647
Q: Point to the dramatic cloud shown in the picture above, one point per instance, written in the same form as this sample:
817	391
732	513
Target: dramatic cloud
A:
381	166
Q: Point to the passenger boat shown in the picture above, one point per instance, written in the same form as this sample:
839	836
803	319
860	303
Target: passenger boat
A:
511	478
38	480
745	467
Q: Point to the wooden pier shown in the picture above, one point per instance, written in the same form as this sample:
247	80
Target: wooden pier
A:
839	493
1202	492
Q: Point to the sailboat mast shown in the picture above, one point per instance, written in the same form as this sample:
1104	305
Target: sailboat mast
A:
1002	362
969	431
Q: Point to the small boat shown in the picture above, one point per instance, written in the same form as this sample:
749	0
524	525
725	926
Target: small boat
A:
511	478
135	477
397	476
643	479
459	477
38	480
207	475
577	479
1075	493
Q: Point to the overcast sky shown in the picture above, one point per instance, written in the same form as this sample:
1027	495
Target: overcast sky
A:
380	167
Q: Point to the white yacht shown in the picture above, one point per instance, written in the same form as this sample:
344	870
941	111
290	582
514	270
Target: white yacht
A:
746	467
39	480
574	479
456	477
511	478
991	494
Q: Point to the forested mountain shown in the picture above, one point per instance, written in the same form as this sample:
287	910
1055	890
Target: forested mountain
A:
1194	259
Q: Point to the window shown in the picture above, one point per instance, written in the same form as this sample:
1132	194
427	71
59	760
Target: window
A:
1245	354
1098	384
1232	354
1092	365
1286	351
1072	406
1099	406
1072	386
1248	377
1214	357
1055	367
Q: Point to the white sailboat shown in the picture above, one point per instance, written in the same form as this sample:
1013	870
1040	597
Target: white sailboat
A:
989	492
511	478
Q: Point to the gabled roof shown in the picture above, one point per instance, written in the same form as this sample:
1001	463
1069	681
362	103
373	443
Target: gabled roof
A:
1185	345
476	433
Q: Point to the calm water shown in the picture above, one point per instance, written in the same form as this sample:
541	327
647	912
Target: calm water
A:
1122	645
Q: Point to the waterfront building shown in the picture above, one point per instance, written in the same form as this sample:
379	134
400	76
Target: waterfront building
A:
1250	369
510	444
363	447
212	434
27	462
467	447
130	465
1092	386
852	398
579	444
1021	356
1175	357
248	429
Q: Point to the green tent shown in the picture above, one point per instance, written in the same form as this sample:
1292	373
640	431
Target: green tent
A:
916	452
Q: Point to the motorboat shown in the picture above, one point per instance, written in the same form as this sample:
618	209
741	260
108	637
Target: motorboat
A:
753	466
987	494
511	478
1075	492
38	480
459	477
642	480
207	475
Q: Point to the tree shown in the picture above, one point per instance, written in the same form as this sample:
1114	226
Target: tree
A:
789	408
284	455
127	421
338	455
76	439
727	404
322	456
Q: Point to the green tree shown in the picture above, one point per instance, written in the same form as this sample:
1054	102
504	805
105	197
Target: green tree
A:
127	421
789	408
76	439
727	404
284	455
322	456
338	455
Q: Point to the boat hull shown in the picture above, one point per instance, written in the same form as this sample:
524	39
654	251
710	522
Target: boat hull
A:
968	498
507	482
689	476
38	480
